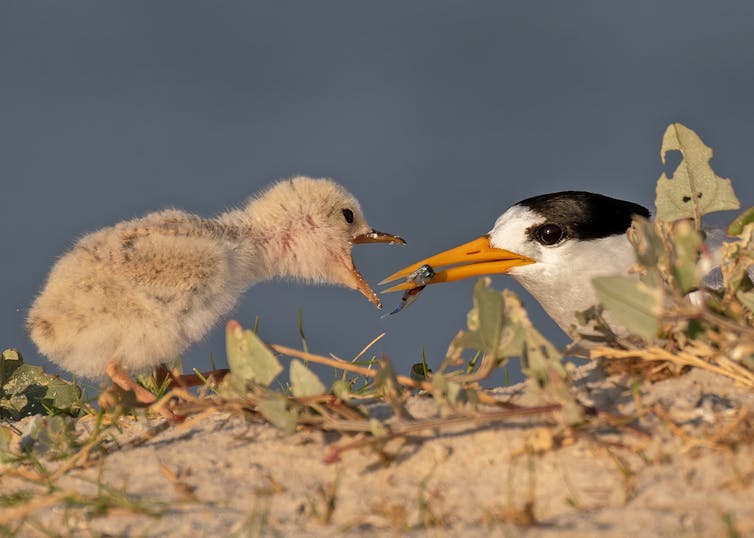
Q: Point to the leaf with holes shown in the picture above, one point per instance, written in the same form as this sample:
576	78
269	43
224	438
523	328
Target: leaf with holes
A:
694	189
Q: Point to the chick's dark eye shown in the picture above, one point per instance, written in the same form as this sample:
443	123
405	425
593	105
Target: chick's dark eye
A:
549	234
348	214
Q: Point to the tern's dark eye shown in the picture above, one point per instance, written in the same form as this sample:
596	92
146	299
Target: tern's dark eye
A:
549	234
348	214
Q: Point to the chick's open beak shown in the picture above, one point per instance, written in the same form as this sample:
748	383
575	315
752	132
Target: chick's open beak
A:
474	258
359	282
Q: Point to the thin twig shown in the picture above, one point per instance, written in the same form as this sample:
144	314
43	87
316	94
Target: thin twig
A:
370	344
336	363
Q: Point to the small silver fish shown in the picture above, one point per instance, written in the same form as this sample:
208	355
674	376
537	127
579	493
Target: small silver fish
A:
421	278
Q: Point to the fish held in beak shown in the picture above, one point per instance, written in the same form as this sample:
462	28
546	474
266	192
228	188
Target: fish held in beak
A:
474	258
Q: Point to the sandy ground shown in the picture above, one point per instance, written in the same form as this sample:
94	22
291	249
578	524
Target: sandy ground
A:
686	468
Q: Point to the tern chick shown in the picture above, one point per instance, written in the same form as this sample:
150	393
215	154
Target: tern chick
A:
135	295
552	244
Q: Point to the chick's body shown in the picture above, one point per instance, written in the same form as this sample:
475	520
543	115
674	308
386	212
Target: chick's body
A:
140	292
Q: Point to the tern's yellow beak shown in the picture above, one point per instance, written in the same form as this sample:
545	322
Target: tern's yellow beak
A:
474	258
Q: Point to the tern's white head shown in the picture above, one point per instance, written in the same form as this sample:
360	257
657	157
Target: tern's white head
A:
553	244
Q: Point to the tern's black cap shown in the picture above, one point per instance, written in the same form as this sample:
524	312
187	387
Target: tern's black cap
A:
585	215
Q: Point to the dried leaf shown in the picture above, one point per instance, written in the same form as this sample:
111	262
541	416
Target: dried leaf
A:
632	303
695	189
249	358
304	382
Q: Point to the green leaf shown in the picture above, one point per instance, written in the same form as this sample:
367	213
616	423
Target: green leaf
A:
52	437
695	189
492	328
747	299
518	329
386	382
485	320
739	223
28	390
275	409
304	382
687	244
631	303
646	241
9	361
249	358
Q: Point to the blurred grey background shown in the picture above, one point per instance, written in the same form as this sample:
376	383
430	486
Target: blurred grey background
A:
436	114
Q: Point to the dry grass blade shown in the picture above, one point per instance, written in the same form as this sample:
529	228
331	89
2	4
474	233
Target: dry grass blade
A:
723	366
32	506
369	345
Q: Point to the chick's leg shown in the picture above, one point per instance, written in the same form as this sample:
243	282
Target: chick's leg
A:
121	378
